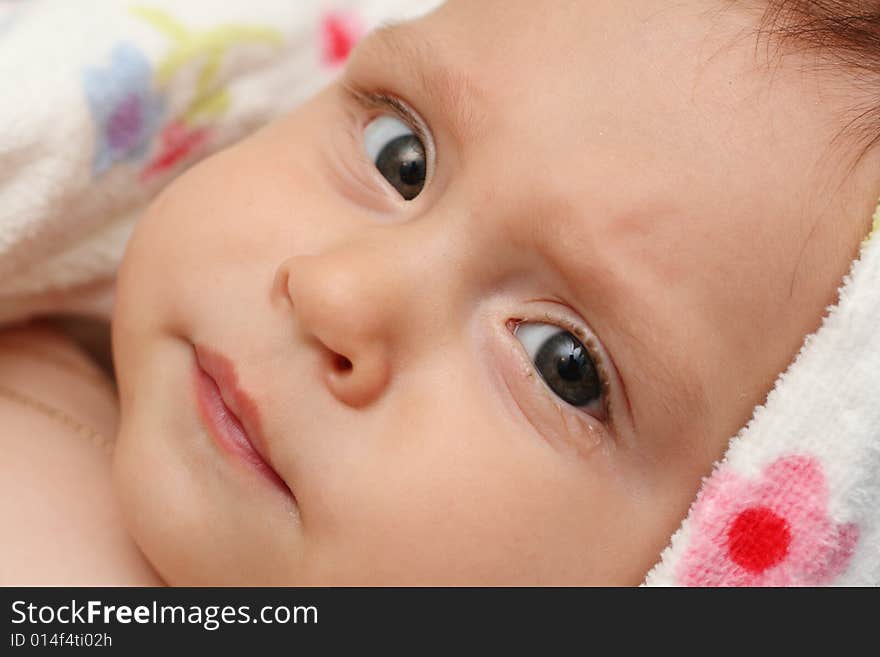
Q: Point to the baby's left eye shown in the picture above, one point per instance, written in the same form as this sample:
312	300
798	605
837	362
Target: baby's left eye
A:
562	361
398	154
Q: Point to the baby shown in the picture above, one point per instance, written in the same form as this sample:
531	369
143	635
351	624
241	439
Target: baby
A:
487	309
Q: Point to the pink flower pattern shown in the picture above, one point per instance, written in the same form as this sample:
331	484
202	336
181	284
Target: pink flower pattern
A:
771	532
177	143
340	32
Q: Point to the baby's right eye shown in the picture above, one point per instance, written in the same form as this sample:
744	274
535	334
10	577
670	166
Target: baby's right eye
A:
398	154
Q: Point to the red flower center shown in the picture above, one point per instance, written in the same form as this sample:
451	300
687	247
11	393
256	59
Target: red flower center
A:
758	539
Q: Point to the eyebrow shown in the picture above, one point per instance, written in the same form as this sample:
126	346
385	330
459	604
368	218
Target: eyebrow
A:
674	385
402	51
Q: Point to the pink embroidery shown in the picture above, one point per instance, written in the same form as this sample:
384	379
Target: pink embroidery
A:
178	141
771	532
340	32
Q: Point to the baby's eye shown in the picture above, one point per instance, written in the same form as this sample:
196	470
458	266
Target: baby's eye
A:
562	361
398	154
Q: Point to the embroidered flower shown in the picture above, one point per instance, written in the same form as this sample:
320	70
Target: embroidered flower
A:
771	532
125	112
178	142
339	34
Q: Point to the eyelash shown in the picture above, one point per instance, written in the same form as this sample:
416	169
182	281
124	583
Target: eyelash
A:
588	341
374	101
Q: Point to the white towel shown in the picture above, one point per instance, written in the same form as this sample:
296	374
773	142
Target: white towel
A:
796	499
102	106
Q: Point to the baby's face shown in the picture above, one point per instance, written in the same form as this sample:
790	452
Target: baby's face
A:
621	224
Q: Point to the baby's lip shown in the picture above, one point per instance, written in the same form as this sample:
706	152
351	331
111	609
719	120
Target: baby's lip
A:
222	370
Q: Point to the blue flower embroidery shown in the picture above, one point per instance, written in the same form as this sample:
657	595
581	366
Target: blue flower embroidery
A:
8	14
124	109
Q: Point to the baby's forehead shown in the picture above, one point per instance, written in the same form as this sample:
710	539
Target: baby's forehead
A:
573	117
633	77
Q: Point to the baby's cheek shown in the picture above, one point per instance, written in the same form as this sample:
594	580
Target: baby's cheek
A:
140	513
462	502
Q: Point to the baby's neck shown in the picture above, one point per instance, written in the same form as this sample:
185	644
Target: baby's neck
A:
92	334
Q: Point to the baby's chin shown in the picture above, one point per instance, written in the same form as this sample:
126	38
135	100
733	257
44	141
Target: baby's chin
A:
192	518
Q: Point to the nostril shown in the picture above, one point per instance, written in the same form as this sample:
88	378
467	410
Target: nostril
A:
342	363
355	385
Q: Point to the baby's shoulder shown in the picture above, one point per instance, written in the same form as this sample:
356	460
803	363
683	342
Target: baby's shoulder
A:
58	422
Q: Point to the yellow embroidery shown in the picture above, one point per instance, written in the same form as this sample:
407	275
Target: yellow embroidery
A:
209	45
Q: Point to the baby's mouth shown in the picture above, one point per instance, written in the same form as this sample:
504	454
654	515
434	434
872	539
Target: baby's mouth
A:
230	414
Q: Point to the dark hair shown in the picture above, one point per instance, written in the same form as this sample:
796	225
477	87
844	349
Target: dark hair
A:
844	35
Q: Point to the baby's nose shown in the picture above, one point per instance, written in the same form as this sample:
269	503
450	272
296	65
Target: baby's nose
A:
348	308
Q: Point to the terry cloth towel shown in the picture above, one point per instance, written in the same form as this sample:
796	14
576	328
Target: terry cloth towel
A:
796	499
103	105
